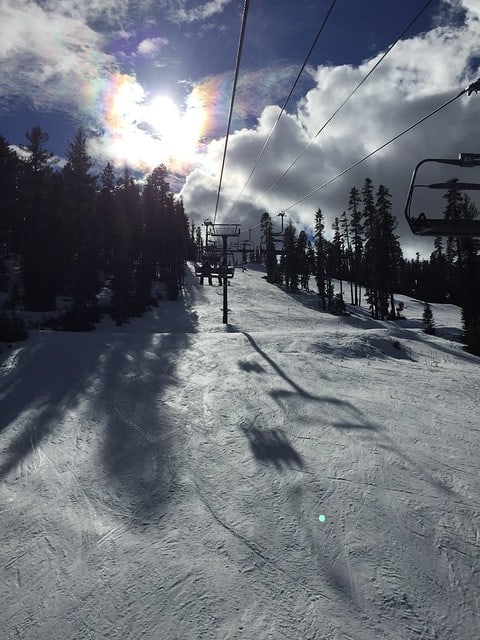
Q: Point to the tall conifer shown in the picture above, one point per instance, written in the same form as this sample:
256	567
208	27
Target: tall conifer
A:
321	259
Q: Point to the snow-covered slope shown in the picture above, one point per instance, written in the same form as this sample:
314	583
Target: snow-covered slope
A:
164	480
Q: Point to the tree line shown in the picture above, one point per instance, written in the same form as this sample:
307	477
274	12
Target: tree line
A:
364	255
72	232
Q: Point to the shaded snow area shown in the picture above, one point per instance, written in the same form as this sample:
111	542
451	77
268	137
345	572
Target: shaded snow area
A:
164	480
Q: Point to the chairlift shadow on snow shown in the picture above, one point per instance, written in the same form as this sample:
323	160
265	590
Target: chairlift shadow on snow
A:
284	396
355	425
272	446
251	367
419	468
276	368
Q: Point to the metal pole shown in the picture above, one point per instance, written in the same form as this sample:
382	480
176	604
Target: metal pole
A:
224	273
224	231
206	223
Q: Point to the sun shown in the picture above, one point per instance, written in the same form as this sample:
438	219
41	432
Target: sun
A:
178	132
144	130
164	116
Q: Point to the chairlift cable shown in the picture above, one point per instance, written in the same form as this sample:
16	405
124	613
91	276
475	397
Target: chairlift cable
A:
282	110
399	135
364	79
232	99
474	87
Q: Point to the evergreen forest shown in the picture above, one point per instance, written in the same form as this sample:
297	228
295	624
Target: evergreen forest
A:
66	233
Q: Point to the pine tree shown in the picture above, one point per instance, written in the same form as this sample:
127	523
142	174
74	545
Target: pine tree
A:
198	244
303	260
356	226
273	272
320	262
345	235
179	250
127	250
69	235
464	265
371	254
38	252
389	254
9	217
337	255
290	256
427	320
9	166
165	239
438	278
311	259
106	213
82	233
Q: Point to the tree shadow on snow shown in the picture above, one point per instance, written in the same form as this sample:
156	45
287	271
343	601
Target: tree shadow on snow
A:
137	452
96	400
272	446
42	387
403	332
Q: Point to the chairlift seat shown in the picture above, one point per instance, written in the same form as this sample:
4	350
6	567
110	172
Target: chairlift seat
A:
216	271
423	225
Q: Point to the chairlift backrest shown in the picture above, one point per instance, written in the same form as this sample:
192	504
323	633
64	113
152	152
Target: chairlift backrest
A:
426	225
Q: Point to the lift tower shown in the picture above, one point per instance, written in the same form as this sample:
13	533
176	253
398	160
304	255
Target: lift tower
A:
224	231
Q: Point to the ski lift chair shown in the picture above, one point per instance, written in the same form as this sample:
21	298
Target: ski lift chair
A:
211	254
424	225
225	267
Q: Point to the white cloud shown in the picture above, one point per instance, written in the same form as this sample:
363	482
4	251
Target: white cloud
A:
108	10
150	48
46	58
202	12
419	75
50	56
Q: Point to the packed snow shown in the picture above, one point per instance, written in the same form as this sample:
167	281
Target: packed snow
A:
167	479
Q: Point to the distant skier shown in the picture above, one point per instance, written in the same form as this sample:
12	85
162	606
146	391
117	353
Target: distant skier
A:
206	272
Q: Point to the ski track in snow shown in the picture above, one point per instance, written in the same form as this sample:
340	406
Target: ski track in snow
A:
164	479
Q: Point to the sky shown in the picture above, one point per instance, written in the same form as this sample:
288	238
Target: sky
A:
166	479
151	82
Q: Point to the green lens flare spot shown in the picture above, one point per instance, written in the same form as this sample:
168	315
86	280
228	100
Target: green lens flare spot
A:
321	517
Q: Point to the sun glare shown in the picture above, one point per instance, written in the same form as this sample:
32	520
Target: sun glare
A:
164	115
178	132
145	131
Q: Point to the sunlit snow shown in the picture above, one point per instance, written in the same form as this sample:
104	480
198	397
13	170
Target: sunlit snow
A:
167	479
